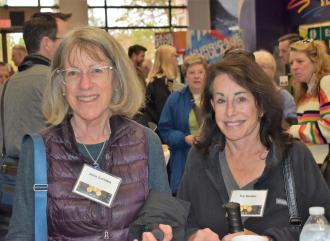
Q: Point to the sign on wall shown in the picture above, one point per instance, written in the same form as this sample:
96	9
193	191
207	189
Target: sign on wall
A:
212	44
320	31
176	39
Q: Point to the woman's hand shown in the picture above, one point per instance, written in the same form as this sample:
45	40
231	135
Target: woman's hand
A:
190	139
205	234
167	230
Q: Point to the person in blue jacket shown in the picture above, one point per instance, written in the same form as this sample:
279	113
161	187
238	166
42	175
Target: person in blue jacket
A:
179	120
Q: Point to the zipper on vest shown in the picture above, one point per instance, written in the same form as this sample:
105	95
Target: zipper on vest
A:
106	234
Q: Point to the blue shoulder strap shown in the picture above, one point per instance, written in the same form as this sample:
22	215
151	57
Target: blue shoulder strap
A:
40	188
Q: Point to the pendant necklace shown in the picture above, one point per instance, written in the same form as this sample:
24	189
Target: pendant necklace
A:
90	188
95	161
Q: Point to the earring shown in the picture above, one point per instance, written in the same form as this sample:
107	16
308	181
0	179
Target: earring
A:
63	93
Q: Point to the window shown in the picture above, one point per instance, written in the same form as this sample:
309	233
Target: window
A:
132	21
136	21
135	14
44	5
31	3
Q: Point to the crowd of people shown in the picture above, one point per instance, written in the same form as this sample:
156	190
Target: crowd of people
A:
230	127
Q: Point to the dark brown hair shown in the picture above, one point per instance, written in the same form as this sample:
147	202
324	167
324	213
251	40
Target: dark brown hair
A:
250	76
41	25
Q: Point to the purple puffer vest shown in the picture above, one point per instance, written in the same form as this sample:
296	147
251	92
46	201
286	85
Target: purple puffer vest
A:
72	217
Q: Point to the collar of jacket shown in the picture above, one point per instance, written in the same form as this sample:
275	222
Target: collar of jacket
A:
186	91
213	170
31	60
118	125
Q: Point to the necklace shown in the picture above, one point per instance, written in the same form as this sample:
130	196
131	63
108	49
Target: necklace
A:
95	161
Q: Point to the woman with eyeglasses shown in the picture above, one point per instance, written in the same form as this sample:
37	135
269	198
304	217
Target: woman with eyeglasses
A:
310	68
96	155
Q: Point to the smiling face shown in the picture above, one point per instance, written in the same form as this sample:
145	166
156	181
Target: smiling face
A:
195	77
236	112
90	95
302	68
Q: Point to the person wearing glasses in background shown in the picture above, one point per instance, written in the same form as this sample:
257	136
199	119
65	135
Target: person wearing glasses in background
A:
23	95
310	68
89	100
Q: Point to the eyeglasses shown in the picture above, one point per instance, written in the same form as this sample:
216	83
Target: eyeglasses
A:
74	75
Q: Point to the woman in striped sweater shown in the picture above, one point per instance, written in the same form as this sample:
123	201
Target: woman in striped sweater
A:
310	68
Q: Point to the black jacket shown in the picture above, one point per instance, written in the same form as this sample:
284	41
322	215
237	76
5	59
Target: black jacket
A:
203	186
161	208
156	95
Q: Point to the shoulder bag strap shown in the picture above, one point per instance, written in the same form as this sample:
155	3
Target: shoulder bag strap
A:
3	152
290	189
40	188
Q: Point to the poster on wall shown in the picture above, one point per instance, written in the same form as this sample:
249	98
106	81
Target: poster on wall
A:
176	39
212	44
225	32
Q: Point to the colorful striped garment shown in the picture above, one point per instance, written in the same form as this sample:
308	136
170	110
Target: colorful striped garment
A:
313	115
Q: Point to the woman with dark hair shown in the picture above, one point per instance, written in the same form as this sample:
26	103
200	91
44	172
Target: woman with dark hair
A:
241	150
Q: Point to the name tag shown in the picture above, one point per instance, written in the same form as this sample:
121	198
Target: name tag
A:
97	185
252	202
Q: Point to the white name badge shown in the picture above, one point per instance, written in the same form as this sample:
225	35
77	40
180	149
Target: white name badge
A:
252	201
97	185
284	80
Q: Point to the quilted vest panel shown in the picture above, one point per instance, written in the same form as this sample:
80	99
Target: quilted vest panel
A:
72	217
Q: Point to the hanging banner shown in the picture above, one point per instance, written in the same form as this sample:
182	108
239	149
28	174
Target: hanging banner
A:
212	44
